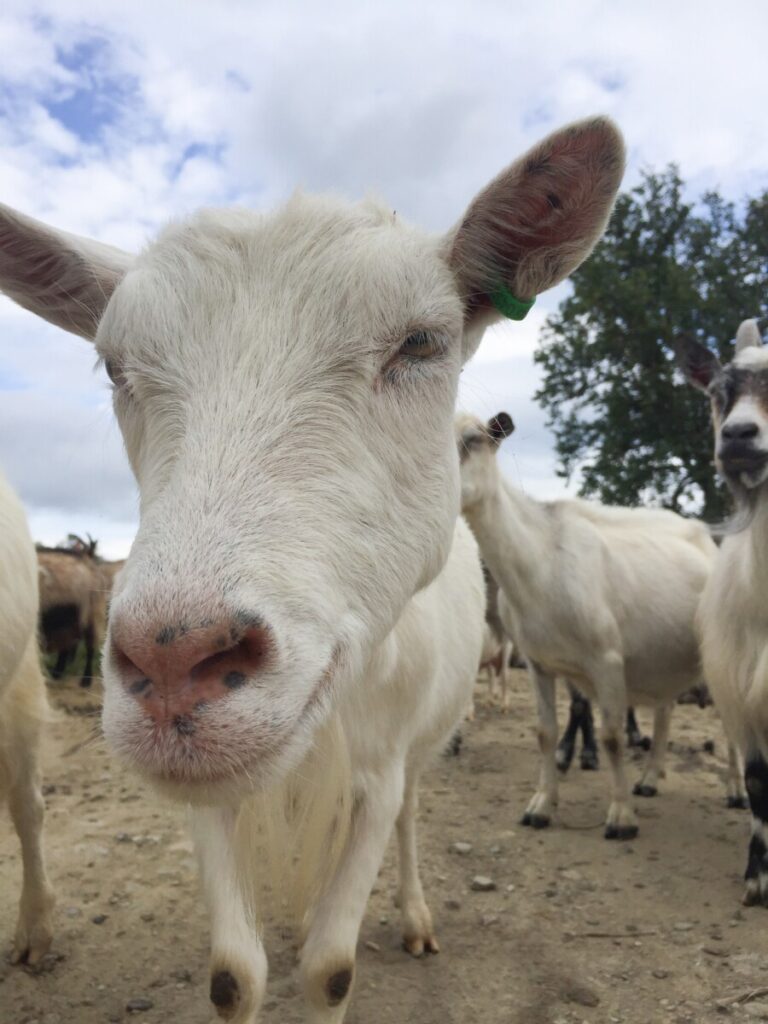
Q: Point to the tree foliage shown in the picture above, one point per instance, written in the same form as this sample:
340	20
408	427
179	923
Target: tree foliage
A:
622	417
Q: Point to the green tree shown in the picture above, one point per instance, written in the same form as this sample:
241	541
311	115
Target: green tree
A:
621	416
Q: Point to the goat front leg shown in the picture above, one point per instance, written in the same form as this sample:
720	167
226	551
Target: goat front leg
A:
327	965
34	929
539	812
756	875
610	686
238	963
418	933
736	794
654	769
506	696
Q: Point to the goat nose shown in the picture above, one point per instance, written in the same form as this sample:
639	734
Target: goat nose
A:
175	672
744	430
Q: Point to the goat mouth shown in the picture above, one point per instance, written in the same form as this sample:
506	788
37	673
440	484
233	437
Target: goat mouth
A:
216	745
747	465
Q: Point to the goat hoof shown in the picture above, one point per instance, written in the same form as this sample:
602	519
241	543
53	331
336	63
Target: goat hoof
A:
622	832
756	892
419	946
535	820
225	993
740	803
641	789
563	764
589	761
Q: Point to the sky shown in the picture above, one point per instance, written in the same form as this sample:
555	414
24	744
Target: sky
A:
115	118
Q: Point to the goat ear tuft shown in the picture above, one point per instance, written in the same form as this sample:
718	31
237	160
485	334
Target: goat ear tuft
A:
500	426
698	364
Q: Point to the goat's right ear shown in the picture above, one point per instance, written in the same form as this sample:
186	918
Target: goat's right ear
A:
500	426
698	364
65	279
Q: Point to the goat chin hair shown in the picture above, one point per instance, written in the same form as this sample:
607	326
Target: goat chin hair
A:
290	837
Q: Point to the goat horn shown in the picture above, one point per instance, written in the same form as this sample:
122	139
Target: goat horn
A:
748	335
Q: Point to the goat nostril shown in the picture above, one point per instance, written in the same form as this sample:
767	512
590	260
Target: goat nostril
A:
744	431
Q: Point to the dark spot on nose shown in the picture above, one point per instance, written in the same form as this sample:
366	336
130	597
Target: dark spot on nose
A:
234	680
338	986
184	725
166	635
139	686
225	993
554	201
221	642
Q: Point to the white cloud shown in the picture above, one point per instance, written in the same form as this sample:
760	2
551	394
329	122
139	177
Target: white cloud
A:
421	103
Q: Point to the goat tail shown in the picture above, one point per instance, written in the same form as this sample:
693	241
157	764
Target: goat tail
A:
290	838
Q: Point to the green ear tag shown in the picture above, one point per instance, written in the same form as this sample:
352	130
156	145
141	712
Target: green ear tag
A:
508	305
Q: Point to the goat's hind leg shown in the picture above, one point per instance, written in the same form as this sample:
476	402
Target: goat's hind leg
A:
736	794
567	745
756	875
238	961
34	929
539	812
621	821
654	769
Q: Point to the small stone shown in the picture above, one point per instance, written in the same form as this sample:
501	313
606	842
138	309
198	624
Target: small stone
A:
148	917
182	974
683	926
123	837
373	946
495	850
581	995
481	883
139	1005
510	888
383	919
461	848
660	974
452	905
99	918
487	920
73	912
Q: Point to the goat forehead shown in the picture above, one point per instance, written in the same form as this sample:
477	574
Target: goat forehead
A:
338	269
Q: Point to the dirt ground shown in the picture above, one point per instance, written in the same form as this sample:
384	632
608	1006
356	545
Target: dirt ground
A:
577	929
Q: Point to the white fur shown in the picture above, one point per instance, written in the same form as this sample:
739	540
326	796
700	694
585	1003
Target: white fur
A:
296	461
603	596
22	712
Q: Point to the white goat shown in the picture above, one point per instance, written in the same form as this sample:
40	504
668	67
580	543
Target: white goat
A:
23	709
733	616
604	596
299	585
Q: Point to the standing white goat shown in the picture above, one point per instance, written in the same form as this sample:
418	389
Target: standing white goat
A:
23	709
603	596
299	585
733	616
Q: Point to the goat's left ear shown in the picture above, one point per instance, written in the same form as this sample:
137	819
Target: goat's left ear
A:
536	222
66	279
698	364
500	426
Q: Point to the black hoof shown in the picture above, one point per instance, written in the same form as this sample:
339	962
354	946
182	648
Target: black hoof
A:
224	993
621	832
535	820
589	761
740	803
563	764
642	790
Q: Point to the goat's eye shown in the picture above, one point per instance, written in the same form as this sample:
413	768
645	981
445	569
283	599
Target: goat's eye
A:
420	345
114	371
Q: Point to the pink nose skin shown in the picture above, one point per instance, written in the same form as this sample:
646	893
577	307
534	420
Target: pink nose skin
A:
175	672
